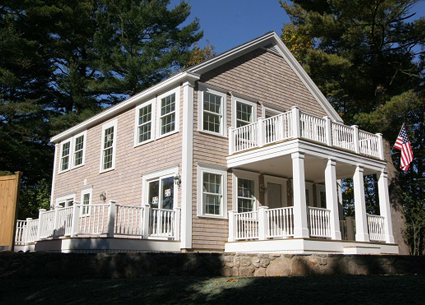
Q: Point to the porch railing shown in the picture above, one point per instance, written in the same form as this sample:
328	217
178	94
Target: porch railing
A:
280	222
319	222
376	227
246	225
99	219
295	124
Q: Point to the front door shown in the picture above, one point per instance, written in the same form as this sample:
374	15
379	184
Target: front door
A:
276	194
161	200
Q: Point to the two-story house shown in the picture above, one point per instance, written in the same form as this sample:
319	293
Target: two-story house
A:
241	153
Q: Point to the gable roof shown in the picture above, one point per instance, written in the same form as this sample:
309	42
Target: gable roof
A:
270	41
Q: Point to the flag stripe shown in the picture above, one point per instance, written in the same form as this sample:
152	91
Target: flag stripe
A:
403	144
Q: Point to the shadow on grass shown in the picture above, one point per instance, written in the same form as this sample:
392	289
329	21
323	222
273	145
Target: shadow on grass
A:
217	290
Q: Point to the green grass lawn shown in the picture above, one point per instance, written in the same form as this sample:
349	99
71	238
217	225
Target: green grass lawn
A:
220	290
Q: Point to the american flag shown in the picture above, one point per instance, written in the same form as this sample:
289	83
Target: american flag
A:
402	143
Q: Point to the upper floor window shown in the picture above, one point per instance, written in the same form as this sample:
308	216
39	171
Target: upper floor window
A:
212	111
243	112
144	123
109	136
73	152
167	118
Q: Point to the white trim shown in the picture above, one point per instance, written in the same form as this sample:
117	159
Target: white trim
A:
153	122
265	109
165	173
52	192
309	188
223	126
127	104
284	191
69	156
320	188
200	204
114	124
65	199
176	92
237	174
84	134
84	192
236	99
187	167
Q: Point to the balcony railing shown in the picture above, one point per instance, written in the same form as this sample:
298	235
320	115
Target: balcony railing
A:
375	224
319	222
295	124
110	220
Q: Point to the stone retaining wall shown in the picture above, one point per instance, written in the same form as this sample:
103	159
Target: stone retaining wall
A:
128	265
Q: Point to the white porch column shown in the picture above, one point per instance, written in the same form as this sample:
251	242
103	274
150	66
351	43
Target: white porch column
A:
384	206
262	222
300	208
362	233
332	198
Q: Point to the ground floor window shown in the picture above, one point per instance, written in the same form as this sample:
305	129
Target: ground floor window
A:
245	189
85	202
212	183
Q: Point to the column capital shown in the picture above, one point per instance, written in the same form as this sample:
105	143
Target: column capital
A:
297	155
384	174
331	162
359	168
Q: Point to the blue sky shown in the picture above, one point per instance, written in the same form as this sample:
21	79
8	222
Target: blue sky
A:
228	23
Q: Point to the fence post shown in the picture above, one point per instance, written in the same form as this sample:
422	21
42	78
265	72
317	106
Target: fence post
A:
296	124
26	231
177	223
146	212
262	222
380	146
111	218
232	226
328	130
261	132
356	138
55	220
40	223
231	140
75	219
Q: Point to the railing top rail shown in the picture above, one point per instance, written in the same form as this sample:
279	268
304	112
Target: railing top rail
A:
312	116
367	133
316	208
283	208
246	213
129	206
158	209
375	216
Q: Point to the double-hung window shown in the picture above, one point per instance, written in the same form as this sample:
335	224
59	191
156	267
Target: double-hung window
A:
243	112
212	111
245	186
144	123
167	117
109	139
212	197
72	152
85	202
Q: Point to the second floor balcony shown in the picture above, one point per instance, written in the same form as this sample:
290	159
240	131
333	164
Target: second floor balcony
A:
295	124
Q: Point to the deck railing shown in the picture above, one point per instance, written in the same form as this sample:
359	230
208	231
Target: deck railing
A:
280	222
295	124
246	225
319	222
376	227
99	219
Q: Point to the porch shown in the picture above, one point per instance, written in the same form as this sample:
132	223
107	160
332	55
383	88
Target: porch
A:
306	150
103	227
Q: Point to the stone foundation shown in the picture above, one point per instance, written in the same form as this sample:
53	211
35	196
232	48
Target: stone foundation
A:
130	265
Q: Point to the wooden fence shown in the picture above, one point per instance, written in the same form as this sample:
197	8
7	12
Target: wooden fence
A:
9	189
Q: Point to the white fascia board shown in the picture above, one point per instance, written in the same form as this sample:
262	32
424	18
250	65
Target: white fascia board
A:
128	103
262	41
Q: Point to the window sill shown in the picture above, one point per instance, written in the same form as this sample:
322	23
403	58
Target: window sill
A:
210	133
167	134
106	170
143	143
213	217
81	165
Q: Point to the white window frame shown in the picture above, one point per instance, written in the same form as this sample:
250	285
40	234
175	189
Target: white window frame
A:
266	110
71	156
223	125
169	172
284	190
114	124
320	188
217	170
85	192
65	199
241	174
235	99
309	187
84	134
175	91
153	123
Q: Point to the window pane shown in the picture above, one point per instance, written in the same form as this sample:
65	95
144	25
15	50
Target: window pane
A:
243	114
107	158
65	155
168	104
212	189
145	114
145	132
212	103
86	201
79	146
153	199
109	137
212	122
168	123
168	193
245	195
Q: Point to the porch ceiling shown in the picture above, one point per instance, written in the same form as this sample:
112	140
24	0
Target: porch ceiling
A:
314	168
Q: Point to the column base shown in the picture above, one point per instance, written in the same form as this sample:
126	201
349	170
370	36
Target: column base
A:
362	237
389	239
336	235
301	233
